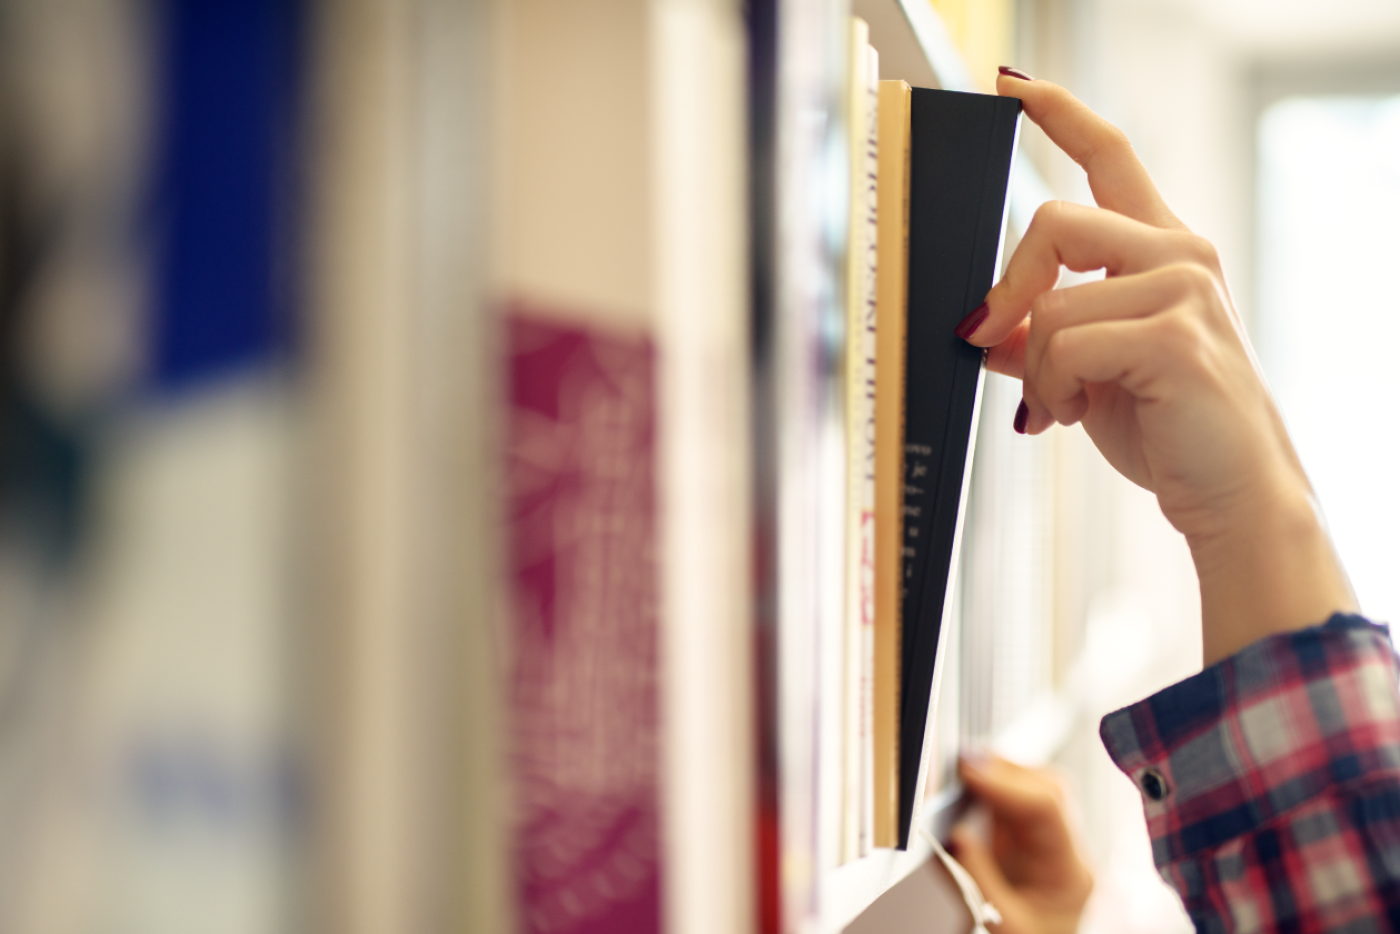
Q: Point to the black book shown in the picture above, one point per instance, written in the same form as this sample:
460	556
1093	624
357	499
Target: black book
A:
961	147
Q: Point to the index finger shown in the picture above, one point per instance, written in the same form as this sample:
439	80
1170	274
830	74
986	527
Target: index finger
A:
1117	177
1075	237
1011	790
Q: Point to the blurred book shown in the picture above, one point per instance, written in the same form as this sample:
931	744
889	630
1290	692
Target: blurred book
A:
620	277
582	710
147	402
862	120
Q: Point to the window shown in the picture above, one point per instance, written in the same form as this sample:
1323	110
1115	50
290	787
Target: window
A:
1328	322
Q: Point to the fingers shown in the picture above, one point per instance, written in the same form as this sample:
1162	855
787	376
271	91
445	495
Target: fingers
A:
1129	353
1058	312
1026	804
1011	791
1082	239
1116	175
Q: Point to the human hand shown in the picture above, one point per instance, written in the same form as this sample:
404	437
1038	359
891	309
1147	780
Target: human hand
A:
1032	872
1155	363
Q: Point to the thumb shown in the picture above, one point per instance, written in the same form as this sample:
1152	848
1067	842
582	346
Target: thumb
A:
977	859
1026	797
1009	357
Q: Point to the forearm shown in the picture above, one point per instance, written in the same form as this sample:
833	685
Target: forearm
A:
1269	568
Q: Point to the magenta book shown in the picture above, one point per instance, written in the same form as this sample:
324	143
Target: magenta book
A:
584	654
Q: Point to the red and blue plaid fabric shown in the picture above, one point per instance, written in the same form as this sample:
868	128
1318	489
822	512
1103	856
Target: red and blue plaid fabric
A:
1271	782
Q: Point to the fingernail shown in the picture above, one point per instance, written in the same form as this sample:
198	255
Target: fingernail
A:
1013	72
1022	413
972	322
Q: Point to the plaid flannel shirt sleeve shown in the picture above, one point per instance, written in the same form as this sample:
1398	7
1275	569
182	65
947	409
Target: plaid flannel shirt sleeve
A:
1271	782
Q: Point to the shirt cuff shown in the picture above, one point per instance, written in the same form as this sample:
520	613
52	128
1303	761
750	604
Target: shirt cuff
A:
1275	725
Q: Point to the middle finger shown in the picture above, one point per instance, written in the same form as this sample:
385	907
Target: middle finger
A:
1082	239
1121	298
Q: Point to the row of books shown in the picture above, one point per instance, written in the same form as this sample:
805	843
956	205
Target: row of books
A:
929	171
676	425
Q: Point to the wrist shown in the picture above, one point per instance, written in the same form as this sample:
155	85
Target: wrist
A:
1269	567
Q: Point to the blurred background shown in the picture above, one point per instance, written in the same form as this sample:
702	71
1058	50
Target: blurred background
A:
253	261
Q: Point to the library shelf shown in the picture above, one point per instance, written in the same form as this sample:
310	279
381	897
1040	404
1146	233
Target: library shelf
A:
850	889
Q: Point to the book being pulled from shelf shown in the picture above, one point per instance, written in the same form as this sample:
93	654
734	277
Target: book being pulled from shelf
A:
961	150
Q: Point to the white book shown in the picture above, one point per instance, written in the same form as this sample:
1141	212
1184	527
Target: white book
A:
859	662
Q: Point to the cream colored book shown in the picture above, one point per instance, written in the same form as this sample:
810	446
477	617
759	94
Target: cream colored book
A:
891	287
862	125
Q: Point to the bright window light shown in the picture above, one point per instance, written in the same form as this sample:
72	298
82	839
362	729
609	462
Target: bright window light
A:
1328	320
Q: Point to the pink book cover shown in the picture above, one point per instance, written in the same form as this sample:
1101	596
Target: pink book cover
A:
584	653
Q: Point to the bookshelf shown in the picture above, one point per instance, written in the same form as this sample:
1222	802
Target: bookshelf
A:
620	299
518	524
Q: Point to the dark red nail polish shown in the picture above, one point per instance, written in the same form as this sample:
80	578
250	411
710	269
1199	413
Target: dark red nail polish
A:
1022	413
1013	72
972	322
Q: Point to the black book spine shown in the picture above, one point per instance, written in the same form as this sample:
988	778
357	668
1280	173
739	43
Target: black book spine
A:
961	151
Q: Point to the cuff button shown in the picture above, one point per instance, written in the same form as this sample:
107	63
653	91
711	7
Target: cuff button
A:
1153	784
